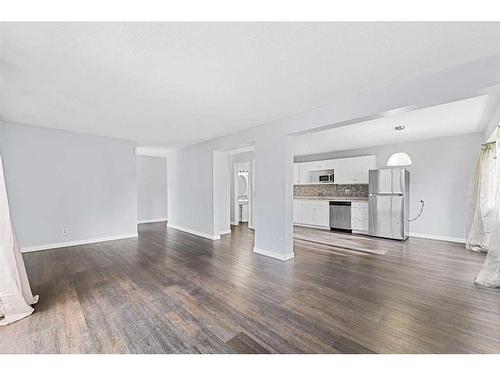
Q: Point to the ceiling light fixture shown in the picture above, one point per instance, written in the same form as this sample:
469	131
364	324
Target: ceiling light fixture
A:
399	159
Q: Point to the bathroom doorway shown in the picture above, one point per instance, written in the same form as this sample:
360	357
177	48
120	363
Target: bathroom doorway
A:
243	187
242	194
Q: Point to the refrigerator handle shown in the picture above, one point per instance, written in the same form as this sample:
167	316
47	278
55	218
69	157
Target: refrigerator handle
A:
402	180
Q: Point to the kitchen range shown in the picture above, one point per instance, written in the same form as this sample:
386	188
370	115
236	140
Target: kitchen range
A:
366	201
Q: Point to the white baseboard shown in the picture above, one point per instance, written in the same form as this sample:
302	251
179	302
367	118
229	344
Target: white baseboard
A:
27	249
274	254
311	226
234	223
439	238
225	231
157	220
196	233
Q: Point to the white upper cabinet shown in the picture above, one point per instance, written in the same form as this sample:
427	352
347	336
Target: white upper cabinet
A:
362	165
317	165
329	164
296	174
347	170
303	172
344	171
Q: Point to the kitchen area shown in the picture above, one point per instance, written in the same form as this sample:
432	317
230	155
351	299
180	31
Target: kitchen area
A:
340	200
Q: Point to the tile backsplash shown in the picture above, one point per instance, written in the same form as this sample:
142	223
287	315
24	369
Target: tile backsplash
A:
331	190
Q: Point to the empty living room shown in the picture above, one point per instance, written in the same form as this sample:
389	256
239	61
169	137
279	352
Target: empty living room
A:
201	182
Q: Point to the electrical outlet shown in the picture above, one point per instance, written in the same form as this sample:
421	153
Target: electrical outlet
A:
282	242
65	231
347	191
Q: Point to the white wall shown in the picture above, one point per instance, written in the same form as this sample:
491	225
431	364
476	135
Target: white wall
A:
222	198
58	179
493	123
440	175
190	190
190	196
151	188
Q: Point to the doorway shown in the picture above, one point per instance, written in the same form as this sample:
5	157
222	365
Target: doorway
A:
243	187
241	196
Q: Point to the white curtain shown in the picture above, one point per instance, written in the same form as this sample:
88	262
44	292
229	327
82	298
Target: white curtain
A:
490	273
15	292
482	201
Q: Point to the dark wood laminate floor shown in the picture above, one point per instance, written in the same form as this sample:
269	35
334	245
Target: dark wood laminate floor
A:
172	292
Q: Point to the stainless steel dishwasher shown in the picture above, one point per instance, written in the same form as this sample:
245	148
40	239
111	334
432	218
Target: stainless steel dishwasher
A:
340	215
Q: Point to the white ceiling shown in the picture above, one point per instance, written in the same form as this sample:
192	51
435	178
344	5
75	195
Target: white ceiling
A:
173	84
460	117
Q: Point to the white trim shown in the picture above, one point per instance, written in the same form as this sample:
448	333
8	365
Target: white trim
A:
225	231
438	238
240	150
151	220
273	254
196	233
156	152
234	223
27	249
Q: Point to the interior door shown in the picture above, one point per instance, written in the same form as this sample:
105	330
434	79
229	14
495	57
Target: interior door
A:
251	196
236	206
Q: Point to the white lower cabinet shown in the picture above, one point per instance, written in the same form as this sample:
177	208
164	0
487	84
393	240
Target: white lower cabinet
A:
359	216
317	213
311	212
323	212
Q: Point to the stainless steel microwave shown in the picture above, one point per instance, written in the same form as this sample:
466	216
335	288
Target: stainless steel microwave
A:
324	178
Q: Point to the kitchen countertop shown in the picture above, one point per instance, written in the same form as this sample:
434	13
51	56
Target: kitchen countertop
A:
337	199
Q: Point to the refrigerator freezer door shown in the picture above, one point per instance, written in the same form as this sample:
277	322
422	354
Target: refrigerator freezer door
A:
387	181
386	217
398	180
380	181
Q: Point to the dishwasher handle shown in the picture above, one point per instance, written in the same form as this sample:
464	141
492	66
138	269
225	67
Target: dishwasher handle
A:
337	203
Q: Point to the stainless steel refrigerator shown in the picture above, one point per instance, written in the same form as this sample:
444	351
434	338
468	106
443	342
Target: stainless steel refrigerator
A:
388	203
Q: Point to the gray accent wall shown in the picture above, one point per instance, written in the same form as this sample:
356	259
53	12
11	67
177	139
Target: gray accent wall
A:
58	179
440	175
151	188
